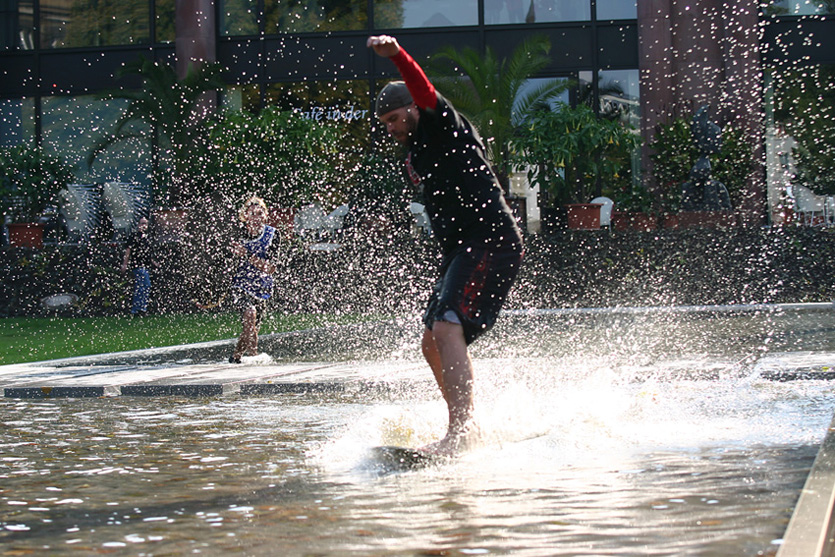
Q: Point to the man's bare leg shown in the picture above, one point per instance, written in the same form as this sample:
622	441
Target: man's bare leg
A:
433	358
449	349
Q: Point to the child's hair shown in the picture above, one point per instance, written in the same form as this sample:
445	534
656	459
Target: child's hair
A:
254	200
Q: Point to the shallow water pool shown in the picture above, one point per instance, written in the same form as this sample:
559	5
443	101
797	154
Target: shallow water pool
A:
603	436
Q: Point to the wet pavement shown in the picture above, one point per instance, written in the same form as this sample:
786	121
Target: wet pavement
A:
331	359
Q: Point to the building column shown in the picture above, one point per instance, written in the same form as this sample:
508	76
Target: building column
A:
195	43
196	31
743	105
657	86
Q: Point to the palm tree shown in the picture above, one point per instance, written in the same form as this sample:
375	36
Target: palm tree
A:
489	96
170	107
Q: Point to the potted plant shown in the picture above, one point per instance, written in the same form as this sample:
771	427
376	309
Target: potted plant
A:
570	153
29	180
634	208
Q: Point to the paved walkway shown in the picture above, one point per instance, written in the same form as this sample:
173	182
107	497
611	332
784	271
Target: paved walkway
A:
306	361
65	378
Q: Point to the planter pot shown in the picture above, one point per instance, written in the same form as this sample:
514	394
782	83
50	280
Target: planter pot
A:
706	219
623	220
584	216
26	234
670	221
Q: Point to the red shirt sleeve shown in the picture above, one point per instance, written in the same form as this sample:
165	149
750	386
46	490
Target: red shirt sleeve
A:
422	90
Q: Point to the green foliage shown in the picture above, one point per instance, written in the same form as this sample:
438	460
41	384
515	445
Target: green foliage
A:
674	153
29	180
489	95
805	105
570	151
170	107
280	154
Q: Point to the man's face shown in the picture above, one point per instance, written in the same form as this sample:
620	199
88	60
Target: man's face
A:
401	122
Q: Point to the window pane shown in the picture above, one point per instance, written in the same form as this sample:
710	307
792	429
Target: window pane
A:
299	16
76	23
800	7
71	125
17	121
238	17
558	10
165	17
16	25
802	125
345	102
505	11
617	9
619	94
424	13
241	97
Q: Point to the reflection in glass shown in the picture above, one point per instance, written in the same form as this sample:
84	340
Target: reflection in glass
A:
238	17
16	26
619	95
800	7
558	10
71	125
241	97
17	121
164	21
339	101
505	11
617	9
76	23
424	13
300	16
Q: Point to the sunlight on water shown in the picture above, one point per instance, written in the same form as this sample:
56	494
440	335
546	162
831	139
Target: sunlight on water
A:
648	449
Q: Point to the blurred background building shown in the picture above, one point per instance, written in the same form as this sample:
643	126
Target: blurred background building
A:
653	58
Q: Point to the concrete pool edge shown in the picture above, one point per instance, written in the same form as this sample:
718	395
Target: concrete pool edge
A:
811	529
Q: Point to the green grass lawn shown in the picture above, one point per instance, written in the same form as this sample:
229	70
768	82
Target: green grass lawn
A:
36	339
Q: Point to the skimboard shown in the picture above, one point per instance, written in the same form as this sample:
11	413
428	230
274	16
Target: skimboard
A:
396	458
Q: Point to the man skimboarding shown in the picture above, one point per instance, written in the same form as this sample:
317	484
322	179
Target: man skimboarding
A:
481	243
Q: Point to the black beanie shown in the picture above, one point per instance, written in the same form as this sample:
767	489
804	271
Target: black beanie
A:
393	96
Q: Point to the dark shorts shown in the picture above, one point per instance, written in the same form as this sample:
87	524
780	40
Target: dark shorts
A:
242	301
473	287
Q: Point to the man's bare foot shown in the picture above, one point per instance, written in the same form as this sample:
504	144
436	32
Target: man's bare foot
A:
455	443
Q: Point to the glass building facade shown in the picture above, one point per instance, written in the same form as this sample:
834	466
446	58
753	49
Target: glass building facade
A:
58	56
